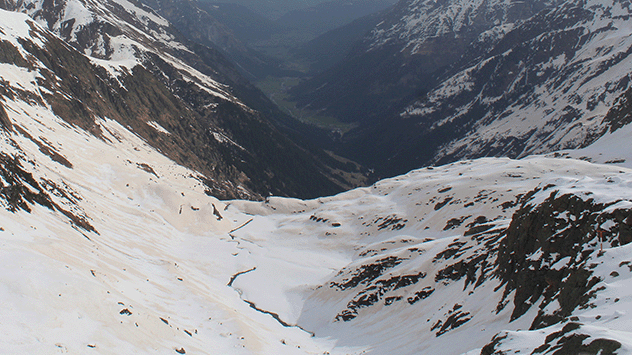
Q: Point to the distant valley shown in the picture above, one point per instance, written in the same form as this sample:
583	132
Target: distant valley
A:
407	86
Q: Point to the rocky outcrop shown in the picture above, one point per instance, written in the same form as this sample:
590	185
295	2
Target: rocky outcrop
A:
549	250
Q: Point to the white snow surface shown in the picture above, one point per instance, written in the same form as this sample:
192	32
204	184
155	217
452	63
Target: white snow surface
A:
16	26
612	148
158	127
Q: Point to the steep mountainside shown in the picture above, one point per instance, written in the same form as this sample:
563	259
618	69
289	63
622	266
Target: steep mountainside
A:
228	27
400	57
547	85
513	87
142	73
272	9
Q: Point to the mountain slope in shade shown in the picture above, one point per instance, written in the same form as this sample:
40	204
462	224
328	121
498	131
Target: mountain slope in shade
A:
333	46
525	80
228	27
329	15
563	70
140	70
415	23
400	58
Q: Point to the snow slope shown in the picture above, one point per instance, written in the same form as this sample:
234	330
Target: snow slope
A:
120	32
377	264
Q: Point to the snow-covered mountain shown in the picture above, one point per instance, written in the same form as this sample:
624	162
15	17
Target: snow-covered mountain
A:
435	82
109	245
399	58
546	85
183	98
417	24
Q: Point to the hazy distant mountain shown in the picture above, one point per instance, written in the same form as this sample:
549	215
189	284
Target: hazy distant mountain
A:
272	41
330	15
272	9
332	47
227	27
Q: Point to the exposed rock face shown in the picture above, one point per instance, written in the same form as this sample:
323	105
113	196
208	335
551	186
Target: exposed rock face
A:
548	258
550	248
620	114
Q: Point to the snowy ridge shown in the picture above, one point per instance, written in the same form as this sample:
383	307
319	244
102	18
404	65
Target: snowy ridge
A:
418	21
18	27
119	32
